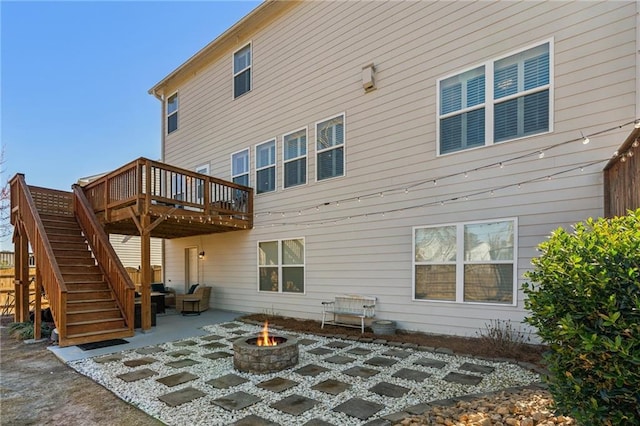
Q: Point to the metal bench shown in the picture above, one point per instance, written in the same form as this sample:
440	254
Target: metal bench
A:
351	305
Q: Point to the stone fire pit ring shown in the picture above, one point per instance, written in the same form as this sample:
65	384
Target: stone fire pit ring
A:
250	358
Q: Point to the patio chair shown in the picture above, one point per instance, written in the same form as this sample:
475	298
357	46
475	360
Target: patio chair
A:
202	293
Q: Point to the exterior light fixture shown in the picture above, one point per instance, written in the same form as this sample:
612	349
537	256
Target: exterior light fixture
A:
201	255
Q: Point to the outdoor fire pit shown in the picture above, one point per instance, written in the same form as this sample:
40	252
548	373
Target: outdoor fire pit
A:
265	353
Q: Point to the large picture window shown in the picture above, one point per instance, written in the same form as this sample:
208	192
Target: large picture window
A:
330	148
172	113
281	266
294	158
240	167
266	167
467	262
497	101
242	71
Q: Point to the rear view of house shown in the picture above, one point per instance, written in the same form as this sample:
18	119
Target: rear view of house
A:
417	152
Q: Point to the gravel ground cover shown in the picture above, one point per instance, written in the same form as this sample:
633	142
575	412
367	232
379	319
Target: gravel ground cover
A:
405	379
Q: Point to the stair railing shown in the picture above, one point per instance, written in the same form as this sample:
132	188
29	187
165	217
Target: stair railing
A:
23	209
116	276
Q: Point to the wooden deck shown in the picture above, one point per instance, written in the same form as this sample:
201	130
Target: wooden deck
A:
176	202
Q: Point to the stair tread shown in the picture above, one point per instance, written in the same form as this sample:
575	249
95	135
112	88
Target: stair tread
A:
71	302
88	311
95	321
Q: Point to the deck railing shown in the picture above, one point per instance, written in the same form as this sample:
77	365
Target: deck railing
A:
51	278
106	257
144	183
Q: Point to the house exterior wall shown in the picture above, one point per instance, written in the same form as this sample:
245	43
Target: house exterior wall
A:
128	250
306	67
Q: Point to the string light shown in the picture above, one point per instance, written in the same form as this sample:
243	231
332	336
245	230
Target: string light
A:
540	152
441	202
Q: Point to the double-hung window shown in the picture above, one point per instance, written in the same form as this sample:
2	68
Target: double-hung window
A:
172	113
466	262
330	148
201	183
240	167
242	71
266	167
281	266
294	158
497	101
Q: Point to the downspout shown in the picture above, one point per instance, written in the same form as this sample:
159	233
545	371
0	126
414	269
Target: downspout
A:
163	133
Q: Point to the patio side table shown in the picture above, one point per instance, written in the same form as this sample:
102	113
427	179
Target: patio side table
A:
195	306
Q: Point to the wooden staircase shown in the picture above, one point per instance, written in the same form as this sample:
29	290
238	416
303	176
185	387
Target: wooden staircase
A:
90	294
91	308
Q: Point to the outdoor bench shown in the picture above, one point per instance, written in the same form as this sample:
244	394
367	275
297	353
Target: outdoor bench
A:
351	305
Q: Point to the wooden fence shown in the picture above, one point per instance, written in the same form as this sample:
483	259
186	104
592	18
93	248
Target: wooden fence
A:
7	287
7	291
622	178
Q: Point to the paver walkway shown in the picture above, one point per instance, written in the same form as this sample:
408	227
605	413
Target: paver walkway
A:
351	362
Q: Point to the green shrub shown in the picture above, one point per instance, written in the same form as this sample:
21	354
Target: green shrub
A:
584	300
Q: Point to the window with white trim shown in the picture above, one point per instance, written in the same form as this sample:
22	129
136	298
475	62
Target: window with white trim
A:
200	183
242	71
172	113
266	167
330	148
281	266
240	167
497	101
466	262
294	158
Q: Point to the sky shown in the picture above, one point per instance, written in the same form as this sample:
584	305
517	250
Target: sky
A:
75	75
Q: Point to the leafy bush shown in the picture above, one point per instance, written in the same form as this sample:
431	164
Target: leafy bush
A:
585	304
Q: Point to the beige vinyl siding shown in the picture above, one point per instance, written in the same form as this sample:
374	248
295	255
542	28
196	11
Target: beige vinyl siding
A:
306	66
128	250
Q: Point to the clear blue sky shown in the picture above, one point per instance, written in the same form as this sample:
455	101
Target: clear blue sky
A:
75	76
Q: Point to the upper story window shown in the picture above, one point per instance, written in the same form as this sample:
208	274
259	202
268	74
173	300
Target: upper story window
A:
266	167
201	183
294	158
242	71
240	167
497	101
466	262
330	148
172	113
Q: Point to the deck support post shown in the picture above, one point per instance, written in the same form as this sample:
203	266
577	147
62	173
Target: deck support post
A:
37	310
145	248
21	309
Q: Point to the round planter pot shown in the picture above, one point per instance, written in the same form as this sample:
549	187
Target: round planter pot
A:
383	327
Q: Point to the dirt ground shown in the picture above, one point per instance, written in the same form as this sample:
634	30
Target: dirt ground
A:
38	389
477	346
